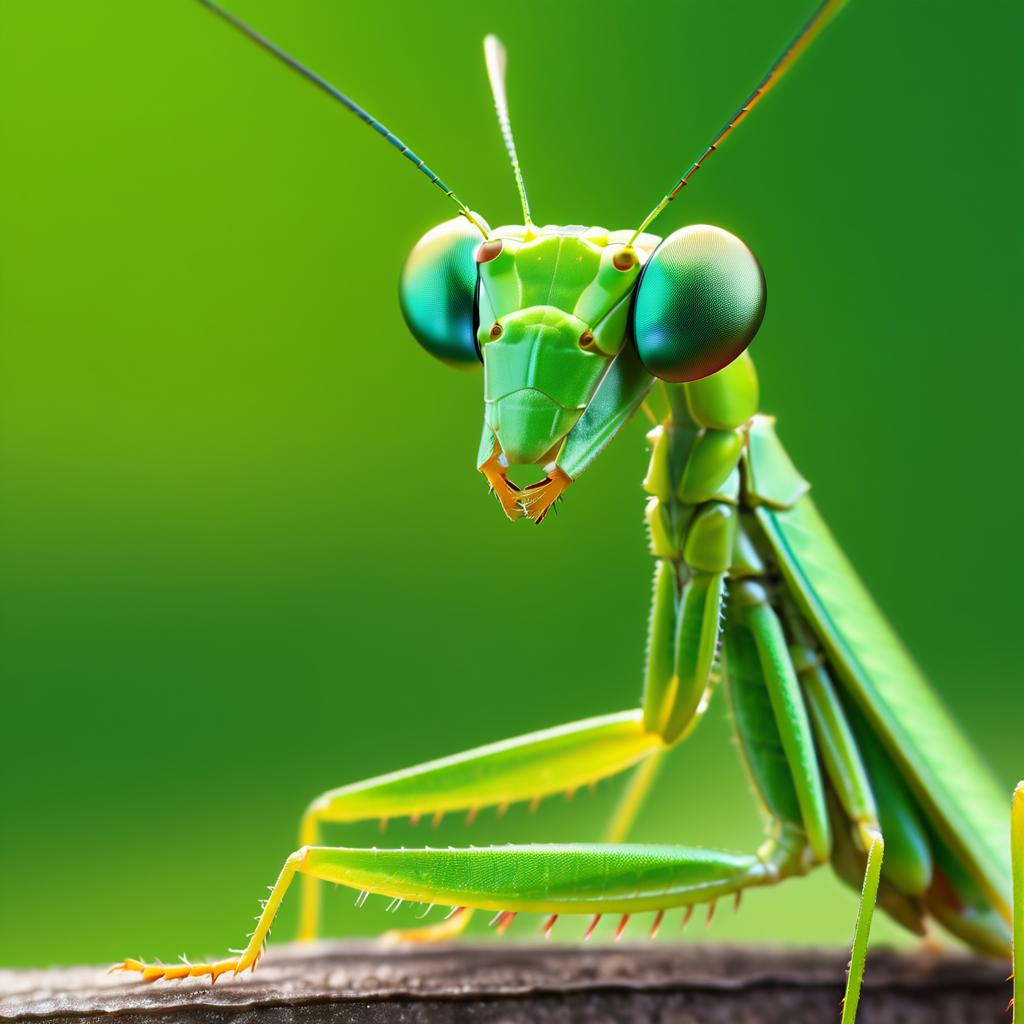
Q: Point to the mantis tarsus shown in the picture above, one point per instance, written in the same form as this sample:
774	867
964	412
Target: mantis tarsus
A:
847	747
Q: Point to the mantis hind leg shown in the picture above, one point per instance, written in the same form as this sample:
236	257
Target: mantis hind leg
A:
862	929
552	879
526	768
773	711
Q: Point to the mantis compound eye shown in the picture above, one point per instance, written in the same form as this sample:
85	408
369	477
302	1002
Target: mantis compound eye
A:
699	303
438	292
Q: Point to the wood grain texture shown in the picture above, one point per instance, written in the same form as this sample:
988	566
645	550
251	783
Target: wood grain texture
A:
342	982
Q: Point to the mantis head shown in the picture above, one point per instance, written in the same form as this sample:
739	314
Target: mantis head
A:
572	325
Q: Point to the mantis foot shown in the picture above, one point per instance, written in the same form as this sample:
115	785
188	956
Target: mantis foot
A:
176	972
244	959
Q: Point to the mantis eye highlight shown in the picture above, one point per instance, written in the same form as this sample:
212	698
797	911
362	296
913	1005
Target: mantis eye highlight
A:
438	292
699	303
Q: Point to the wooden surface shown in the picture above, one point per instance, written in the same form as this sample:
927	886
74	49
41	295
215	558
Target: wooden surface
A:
691	984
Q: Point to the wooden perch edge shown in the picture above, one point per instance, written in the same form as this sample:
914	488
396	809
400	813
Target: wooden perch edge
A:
328	983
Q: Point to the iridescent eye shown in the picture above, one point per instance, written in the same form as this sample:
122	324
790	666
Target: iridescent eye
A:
699	303
438	292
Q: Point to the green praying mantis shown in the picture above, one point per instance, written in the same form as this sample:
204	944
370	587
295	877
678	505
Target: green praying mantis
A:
848	749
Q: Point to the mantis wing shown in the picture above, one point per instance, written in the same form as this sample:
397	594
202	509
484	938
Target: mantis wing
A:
953	786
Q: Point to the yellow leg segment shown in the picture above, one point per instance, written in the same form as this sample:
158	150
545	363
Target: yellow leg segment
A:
245	959
1017	871
445	930
639	785
309	905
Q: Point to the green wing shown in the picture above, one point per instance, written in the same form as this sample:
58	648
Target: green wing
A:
954	787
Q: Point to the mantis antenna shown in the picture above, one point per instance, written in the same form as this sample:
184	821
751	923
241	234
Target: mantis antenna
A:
345	101
497	61
814	24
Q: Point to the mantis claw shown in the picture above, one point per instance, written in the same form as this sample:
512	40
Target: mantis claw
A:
540	498
506	491
533	502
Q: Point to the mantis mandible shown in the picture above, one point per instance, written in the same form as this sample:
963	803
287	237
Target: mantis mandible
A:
848	749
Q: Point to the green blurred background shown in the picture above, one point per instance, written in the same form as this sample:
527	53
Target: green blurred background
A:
245	553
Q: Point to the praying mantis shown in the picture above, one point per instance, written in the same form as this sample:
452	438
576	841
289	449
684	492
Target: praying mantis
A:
852	757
